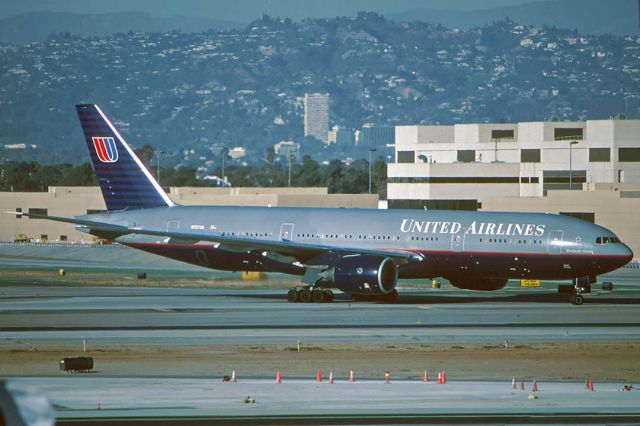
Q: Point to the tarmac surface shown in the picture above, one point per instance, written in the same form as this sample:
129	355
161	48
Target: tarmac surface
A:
176	316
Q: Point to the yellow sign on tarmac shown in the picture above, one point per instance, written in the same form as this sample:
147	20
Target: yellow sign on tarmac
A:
529	283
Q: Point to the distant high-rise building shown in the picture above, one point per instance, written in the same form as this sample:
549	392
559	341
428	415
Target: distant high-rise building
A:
316	116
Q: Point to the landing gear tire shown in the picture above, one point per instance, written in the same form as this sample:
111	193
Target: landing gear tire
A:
292	296
577	299
328	296
317	296
304	295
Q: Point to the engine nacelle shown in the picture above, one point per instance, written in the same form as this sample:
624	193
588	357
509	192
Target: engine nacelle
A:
365	274
480	284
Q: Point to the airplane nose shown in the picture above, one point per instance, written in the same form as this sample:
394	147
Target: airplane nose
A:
628	254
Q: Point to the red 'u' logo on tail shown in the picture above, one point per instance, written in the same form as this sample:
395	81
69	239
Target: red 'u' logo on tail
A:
106	149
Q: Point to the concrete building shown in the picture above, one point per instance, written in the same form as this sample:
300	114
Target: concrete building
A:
286	148
459	166
74	201
237	152
316	116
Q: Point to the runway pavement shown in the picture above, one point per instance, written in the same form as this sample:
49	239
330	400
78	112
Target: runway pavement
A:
110	315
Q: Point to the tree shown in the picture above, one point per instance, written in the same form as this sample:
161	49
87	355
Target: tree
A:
145	154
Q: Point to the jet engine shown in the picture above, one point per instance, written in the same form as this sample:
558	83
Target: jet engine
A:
365	274
481	284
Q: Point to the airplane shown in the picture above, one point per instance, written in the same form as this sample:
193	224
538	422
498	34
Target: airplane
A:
362	252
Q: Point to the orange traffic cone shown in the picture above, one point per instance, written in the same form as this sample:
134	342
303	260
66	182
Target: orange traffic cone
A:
444	377
351	377
331	377
387	376
439	378
278	378
521	384
233	376
590	387
534	386
426	377
513	383
586	383
319	376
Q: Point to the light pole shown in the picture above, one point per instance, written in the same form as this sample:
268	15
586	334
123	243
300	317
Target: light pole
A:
291	158
223	154
370	151
571	164
158	155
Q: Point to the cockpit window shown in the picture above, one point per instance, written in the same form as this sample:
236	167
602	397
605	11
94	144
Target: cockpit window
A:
607	240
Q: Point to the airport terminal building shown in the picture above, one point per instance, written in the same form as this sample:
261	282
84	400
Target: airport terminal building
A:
588	169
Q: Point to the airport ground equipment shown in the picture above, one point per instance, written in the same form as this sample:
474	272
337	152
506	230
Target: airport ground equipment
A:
76	364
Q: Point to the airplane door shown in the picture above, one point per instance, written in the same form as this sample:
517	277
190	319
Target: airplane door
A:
457	241
202	257
554	243
286	232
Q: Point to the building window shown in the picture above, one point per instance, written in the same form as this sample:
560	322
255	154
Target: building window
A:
63	238
568	133
19	210
38	211
44	238
559	179
629	154
466	156
406	157
588	216
455	179
529	180
599	155
434	204
529	155
502	134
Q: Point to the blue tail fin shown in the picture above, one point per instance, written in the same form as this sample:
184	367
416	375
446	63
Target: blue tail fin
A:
124	180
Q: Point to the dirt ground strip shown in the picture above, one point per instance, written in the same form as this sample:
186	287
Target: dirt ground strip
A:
550	361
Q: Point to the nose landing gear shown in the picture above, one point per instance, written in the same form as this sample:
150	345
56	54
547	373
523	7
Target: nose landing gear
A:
576	290
576	299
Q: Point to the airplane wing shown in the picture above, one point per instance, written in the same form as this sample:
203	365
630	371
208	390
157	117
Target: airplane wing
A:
299	251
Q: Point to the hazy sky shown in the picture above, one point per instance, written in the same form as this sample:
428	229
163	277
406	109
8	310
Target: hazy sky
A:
245	10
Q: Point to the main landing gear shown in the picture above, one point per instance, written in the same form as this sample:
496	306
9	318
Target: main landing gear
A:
307	294
575	291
